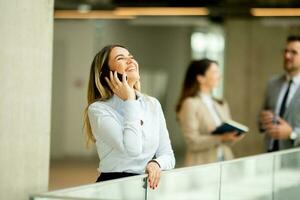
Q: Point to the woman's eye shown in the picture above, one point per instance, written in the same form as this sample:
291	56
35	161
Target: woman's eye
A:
120	58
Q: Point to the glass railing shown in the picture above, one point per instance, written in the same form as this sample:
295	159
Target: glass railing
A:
272	176
126	188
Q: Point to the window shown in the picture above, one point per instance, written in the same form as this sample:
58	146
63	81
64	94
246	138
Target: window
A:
209	45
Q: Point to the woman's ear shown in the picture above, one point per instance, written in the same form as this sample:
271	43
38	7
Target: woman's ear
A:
200	79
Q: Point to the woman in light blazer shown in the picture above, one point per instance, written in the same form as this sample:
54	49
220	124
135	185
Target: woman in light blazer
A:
199	114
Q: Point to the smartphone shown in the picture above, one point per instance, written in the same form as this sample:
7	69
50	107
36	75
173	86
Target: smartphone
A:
120	76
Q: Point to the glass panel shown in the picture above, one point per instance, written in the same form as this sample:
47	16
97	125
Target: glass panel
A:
287	176
249	178
264	177
52	198
210	45
188	183
125	188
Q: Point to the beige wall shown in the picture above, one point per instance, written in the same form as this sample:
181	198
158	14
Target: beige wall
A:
25	103
76	43
253	55
159	49
73	53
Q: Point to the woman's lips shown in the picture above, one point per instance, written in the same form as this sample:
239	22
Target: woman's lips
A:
130	69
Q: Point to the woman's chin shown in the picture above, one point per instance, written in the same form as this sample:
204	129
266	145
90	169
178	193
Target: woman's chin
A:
133	77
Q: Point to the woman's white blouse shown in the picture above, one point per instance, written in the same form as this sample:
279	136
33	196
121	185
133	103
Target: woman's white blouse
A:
129	134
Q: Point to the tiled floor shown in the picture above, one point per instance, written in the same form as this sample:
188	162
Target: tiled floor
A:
67	173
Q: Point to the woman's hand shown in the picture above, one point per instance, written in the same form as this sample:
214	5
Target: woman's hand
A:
230	137
121	89
153	170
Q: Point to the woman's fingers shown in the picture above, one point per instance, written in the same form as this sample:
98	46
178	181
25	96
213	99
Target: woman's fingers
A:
115	83
111	77
121	89
153	174
151	179
124	79
157	178
117	80
109	84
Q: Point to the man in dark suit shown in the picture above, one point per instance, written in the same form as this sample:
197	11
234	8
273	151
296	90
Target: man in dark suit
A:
280	117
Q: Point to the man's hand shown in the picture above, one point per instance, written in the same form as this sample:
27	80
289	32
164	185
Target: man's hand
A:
279	131
266	118
153	170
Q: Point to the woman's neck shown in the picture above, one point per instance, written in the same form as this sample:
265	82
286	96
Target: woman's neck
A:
205	90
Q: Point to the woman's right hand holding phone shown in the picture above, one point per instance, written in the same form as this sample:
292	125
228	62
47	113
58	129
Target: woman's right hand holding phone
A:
120	87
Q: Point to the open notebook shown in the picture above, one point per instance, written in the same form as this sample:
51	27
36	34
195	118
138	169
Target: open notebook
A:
230	126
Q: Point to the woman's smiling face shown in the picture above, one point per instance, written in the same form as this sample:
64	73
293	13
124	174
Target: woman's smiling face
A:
122	61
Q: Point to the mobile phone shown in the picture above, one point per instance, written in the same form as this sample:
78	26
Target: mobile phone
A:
120	76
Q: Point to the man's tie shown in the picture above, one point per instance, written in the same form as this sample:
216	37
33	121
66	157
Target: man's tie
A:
283	104
281	112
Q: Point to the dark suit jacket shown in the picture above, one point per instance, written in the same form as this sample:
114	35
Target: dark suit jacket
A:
292	113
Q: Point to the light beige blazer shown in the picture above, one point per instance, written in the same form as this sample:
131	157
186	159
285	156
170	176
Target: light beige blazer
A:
197	123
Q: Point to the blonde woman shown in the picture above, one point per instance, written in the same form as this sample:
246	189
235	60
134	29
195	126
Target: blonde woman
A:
199	113
128	127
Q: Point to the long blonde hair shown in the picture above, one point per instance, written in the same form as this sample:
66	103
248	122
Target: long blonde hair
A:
98	89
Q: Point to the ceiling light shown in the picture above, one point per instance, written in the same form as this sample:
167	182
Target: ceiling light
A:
161	11
84	12
74	14
275	12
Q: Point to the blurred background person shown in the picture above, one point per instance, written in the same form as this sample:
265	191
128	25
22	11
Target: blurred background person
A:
128	127
199	113
280	118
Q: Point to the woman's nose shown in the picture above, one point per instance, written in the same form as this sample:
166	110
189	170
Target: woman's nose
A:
129	60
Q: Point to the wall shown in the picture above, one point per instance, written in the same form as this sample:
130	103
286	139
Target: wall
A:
75	44
162	49
73	53
25	103
253	55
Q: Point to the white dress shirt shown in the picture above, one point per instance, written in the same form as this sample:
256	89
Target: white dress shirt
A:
294	86
209	103
130	133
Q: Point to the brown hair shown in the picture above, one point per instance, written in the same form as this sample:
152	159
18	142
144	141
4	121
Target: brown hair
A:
191	85
293	38
98	89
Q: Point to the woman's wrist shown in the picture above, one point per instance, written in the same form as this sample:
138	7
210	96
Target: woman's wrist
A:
154	161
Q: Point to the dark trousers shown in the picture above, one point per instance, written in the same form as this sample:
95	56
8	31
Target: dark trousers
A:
113	175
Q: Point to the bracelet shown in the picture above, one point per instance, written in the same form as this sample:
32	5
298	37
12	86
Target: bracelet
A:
155	162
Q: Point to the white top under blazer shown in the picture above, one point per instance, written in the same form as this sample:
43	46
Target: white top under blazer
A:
130	133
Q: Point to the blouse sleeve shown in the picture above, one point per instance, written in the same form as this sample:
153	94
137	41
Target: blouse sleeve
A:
125	138
227	110
190	125
164	154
